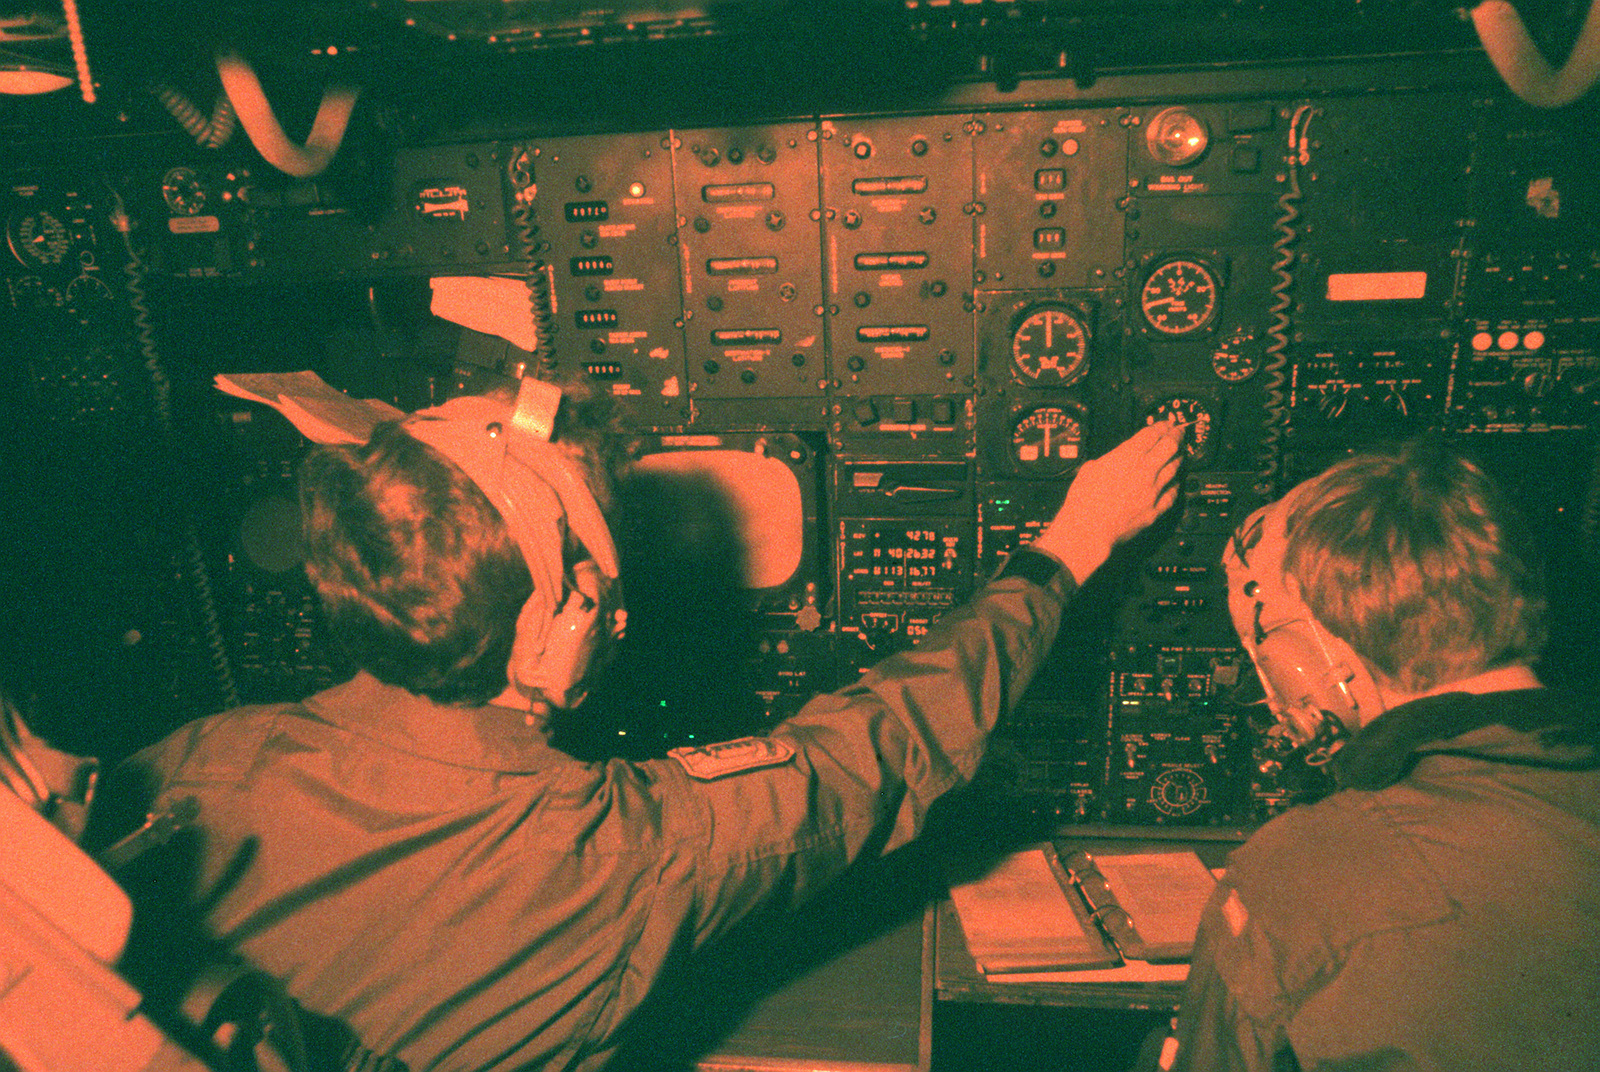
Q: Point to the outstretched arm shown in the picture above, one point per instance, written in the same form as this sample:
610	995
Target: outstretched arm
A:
1113	497
856	770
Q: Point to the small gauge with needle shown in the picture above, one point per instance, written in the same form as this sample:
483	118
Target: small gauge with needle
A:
1237	358
182	191
1048	441
1050	347
89	298
1180	297
1197	420
32	294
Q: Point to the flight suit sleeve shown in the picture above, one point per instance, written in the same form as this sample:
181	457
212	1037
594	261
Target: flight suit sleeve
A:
855	771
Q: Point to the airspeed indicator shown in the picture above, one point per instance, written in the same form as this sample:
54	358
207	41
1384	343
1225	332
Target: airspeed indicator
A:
1179	297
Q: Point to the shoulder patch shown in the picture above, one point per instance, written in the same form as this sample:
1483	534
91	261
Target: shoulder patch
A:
713	761
1235	914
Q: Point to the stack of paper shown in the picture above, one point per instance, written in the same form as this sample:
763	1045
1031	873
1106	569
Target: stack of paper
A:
1018	918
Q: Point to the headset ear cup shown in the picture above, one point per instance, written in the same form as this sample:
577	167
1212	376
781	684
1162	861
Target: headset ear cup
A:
577	640
1349	676
527	650
1307	668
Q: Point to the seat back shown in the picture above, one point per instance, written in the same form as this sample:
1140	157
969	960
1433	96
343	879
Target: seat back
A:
63	923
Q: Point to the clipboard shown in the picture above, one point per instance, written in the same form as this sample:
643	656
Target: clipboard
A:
1148	905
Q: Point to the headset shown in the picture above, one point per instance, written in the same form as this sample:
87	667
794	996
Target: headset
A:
506	449
1318	688
542	494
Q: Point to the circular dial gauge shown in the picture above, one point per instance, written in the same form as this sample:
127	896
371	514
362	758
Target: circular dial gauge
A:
32	294
1176	136
1178	791
1050	347
88	297
1048	440
182	192
1236	361
1179	297
38	238
1198	423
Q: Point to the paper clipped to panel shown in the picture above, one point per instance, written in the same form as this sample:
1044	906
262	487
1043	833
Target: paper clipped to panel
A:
322	412
495	305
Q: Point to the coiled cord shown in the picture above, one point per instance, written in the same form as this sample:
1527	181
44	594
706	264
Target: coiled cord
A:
80	50
212	132
541	301
144	331
1269	453
192	562
1590	522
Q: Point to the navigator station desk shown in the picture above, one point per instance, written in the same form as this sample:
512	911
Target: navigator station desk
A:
903	994
1093	1021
